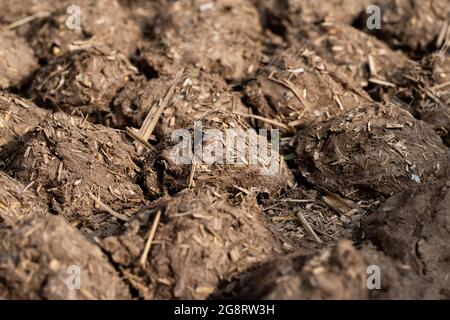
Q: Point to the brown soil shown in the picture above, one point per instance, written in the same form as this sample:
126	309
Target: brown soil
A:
372	151
99	149
34	258
414	226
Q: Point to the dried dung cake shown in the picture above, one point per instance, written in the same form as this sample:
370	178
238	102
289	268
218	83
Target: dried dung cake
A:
17	61
194	94
222	37
335	273
339	273
82	80
298	88
199	156
200	240
103	24
363	58
40	257
16	202
413	26
398	280
70	162
424	89
17	117
414	226
371	151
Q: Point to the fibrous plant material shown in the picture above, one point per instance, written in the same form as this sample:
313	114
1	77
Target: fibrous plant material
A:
17	60
46	258
200	240
371	151
68	159
82	80
298	88
413	226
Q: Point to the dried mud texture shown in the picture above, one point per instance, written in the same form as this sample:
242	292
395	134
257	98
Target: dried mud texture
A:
414	226
424	90
200	240
35	256
82	80
222	37
104	24
315	93
69	161
196	93
17	117
372	151
411	25
17	61
221	162
16	202
339	273
358	55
